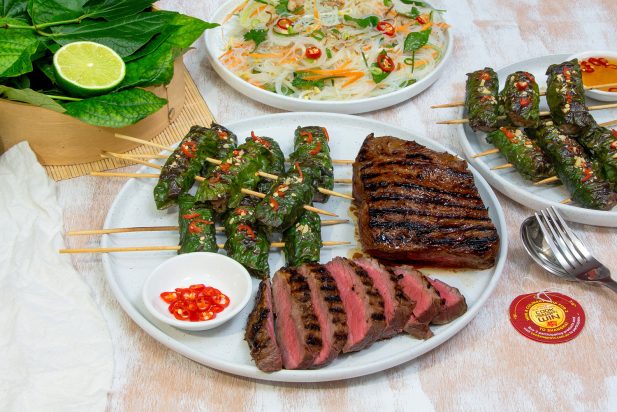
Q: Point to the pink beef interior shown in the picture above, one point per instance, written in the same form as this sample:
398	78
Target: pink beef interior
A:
382	284
415	288
326	330
286	332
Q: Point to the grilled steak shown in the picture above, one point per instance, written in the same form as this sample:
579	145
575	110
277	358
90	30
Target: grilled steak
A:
259	332
453	302
362	302
397	306
428	303
330	312
297	328
415	204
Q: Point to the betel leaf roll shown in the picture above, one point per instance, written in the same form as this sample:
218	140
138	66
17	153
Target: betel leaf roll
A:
185	163
524	154
285	202
565	96
247	242
197	231
235	172
586	186
521	99
312	150
303	240
602	144
482	100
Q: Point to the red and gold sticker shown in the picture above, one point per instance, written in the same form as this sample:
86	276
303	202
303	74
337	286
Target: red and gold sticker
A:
547	317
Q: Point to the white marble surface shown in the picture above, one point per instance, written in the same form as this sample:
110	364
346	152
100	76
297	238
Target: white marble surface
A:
488	365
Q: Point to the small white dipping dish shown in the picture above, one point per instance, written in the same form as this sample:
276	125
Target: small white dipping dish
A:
597	94
211	269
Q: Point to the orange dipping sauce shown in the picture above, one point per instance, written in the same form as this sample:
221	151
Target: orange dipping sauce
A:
599	70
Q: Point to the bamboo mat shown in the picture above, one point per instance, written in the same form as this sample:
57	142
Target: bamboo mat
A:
195	111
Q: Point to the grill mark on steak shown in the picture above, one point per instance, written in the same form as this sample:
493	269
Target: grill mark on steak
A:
426	229
386	184
259	332
438	201
377	212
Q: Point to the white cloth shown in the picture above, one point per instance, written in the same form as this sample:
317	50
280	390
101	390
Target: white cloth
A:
55	349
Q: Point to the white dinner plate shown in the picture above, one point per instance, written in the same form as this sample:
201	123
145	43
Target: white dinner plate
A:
215	46
512	184
223	348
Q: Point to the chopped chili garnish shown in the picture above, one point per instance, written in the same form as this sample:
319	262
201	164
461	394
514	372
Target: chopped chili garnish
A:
236	152
385	63
586	177
284	23
421	20
190	215
313	52
215	179
222	135
308	135
279	192
485	76
521	85
241	212
225	167
195	303
193	228
259	140
317	148
486	98
326	133
567	74
568	98
386	28
274	204
525	101
189	149
511	136
247	229
299	171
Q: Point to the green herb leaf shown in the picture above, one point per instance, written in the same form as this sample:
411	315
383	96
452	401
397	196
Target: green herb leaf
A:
16	9
416	40
31	97
256	35
154	69
329	53
125	35
387	3
300	83
114	9
17	46
117	109
188	29
46	11
365	22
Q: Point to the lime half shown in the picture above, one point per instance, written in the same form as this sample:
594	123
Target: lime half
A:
86	68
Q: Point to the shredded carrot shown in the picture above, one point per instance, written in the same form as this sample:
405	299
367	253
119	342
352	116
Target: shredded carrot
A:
264	55
352	80
315	11
258	10
347	73
443	25
236	10
222	56
404	28
426	26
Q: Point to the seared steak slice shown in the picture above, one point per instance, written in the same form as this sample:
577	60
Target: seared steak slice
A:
330	312
428	303
415	204
297	327
259	332
453	303
362	302
397	306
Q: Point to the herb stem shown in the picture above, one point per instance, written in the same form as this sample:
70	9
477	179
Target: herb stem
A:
70	99
17	26
61	22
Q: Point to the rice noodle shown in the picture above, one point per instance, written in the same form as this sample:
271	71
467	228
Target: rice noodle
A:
277	60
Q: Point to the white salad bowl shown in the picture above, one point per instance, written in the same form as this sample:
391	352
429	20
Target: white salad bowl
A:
210	269
598	94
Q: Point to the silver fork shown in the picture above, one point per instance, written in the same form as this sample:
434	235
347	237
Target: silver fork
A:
570	252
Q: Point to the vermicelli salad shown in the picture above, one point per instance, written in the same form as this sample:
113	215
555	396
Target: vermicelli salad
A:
333	49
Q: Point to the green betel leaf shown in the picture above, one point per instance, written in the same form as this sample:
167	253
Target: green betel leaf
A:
31	97
114	9
16	49
152	70
188	30
47	11
16	9
125	35
416	40
117	109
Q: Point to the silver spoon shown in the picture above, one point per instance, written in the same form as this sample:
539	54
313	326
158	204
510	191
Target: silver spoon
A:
541	250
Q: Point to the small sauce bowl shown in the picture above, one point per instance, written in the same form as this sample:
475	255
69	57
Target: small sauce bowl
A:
211	269
601	95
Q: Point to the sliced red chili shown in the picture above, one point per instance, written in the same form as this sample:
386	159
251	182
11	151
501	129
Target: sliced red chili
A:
385	63
284	23
215	179
325	131
279	192
190	215
568	98
189	149
247	229
386	28
307	135
521	85
259	140
299	171
567	74
274	204
169	297
485	76
193	228
222	135
241	212
421	20
525	101
317	148
195	303
225	167
313	52
586	177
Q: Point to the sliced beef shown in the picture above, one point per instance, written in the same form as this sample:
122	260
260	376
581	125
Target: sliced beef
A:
453	303
415	204
397	306
362	302
330	312
259	332
297	327
428	303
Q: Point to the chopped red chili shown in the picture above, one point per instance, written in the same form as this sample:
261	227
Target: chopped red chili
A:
567	74
385	63
259	140
189	149
308	136
313	52
222	135
274	204
525	101
247	229
485	76
386	28
195	303
215	179
284	23
225	167
521	85
190	215
421	20
299	171
317	148
325	131
241	212
193	228
279	192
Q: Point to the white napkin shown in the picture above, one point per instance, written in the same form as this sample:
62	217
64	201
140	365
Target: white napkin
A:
55	349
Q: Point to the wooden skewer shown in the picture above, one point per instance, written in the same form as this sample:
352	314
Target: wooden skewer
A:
165	229
160	248
343	181
505	166
486	153
566	201
130	159
306	207
547	180
590	108
609	123
543	93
